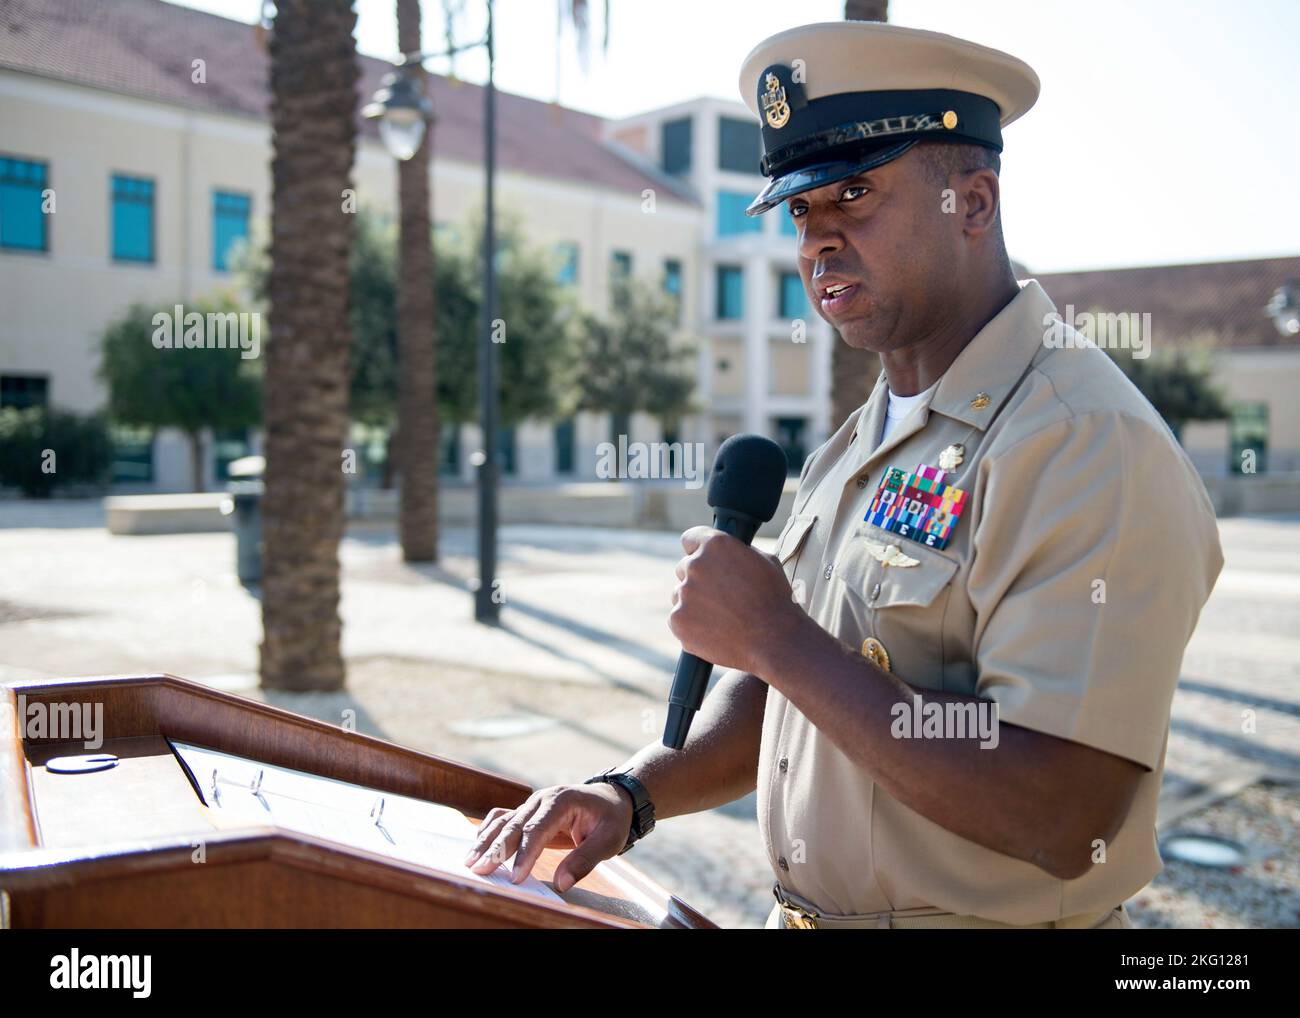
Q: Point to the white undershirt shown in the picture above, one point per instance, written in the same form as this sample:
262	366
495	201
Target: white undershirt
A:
899	407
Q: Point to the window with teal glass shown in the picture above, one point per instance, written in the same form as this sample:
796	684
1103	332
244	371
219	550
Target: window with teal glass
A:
22	222
228	445
565	434
567	253
673	277
133	228
740	146
229	225
730	292
793	299
731	214
675	146
673	285
620	277
444	234
449	460
132	455
506	446
23	391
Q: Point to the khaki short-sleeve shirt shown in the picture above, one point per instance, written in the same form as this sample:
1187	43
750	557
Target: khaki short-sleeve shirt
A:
1067	594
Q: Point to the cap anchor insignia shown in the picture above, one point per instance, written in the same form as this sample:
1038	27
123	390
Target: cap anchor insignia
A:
775	108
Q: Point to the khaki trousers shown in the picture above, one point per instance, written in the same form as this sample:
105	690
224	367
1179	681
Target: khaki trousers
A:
782	918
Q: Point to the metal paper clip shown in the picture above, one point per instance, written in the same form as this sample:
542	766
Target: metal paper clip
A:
216	792
377	812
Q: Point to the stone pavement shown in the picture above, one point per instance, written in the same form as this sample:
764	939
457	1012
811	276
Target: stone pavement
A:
576	677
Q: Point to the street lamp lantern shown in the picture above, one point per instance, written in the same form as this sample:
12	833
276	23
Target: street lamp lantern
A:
402	111
1284	308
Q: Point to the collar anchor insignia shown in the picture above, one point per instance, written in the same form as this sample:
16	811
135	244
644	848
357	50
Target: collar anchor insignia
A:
951	458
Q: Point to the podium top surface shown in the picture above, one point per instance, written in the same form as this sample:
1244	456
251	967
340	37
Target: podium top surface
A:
74	847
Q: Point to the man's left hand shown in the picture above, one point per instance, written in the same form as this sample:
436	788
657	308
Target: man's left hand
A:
730	602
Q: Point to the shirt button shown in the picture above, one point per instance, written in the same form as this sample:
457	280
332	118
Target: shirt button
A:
862	482
875	591
783	864
826	575
784	765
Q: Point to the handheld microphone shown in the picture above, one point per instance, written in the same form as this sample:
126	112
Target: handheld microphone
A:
744	490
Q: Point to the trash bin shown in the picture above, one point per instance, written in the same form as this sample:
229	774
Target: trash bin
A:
244	503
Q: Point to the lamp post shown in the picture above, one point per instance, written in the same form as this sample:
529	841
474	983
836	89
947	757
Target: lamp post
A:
402	112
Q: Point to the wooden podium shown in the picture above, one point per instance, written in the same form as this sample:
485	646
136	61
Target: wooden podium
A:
119	847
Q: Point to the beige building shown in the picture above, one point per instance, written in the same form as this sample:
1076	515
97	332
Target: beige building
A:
142	126
1236	311
135	151
766	366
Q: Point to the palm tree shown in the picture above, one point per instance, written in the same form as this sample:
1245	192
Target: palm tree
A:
313	118
853	372
417	402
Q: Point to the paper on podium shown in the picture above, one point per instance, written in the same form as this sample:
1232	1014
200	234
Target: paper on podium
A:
240	791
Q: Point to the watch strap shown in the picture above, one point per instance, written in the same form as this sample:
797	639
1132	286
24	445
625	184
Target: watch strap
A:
643	810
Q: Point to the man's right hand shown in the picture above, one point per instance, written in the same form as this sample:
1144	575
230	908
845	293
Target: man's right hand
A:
596	818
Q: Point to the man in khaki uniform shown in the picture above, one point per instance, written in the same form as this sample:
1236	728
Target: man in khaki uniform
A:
951	685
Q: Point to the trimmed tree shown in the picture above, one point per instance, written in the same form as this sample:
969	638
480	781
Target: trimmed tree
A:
534	330
177	387
42	449
630	360
1179	383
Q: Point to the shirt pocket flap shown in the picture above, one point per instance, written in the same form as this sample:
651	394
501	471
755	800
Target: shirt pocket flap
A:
913	585
793	536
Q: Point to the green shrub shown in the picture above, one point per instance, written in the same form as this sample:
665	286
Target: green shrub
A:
42	449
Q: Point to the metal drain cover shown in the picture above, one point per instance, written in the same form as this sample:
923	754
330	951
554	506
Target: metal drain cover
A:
1204	850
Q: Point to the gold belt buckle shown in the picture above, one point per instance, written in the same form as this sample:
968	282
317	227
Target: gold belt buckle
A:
794	917
797	918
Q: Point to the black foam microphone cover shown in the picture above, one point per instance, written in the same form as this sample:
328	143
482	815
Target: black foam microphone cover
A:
744	491
748	474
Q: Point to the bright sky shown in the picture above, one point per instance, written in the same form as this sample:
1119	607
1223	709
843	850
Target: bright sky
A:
1167	131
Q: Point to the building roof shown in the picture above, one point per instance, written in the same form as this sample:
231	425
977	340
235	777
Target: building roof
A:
1222	302
144	48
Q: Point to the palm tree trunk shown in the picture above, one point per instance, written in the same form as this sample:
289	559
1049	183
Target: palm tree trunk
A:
417	400
313	109
853	371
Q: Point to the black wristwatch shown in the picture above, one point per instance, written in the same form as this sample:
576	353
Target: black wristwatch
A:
643	810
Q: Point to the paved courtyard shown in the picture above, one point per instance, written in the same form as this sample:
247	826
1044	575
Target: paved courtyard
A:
576	677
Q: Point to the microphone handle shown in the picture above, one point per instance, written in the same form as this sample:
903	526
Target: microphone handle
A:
691	678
